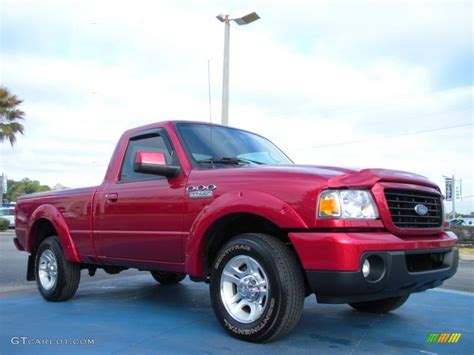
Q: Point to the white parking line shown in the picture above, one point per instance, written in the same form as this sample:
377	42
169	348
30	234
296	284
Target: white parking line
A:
453	291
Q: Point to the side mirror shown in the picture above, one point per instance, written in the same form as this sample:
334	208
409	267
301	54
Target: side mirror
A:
154	163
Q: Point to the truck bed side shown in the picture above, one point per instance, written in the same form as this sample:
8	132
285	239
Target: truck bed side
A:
67	211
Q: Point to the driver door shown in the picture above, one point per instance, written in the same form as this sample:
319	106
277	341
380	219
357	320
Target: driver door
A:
141	215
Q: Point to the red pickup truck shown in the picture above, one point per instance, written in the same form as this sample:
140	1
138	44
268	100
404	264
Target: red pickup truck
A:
227	207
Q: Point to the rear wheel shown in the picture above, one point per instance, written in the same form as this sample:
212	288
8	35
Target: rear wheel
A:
257	288
380	306
167	278
57	278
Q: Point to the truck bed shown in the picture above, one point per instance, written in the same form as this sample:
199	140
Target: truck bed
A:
73	204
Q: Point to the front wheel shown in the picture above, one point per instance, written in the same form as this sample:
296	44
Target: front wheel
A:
380	306
257	288
57	278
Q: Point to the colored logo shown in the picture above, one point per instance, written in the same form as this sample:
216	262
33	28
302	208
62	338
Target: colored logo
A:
443	338
421	209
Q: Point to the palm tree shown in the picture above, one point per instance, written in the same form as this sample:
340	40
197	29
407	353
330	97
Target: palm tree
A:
9	116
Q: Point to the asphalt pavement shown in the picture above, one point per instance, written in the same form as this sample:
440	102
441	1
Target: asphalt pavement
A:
131	313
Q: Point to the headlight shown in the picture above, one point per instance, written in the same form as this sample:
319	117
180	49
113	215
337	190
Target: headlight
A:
347	204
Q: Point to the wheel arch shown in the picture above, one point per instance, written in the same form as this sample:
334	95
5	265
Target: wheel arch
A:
45	222
232	214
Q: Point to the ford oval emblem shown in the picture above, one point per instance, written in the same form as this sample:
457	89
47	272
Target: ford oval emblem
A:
421	210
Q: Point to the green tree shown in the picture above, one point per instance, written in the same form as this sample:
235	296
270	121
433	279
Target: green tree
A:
25	186
10	116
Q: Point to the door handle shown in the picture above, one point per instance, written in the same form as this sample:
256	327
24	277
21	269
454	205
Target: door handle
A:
113	197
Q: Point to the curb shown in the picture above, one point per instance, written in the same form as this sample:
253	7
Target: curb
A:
466	257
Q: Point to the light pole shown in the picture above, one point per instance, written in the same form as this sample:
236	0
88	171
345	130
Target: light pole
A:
245	20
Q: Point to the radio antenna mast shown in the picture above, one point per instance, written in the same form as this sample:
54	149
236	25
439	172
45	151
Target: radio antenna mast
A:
209	88
210	106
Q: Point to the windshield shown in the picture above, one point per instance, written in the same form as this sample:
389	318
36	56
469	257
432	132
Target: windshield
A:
209	144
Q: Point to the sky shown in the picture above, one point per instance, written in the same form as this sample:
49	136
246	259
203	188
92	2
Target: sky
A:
368	84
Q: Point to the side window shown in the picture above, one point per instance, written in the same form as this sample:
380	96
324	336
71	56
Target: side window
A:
153	142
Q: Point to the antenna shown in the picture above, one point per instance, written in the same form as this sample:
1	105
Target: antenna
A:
210	108
209	88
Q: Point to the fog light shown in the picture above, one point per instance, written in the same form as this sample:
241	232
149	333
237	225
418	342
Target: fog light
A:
373	268
366	268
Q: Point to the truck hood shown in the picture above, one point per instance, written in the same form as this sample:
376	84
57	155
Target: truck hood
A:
348	177
369	177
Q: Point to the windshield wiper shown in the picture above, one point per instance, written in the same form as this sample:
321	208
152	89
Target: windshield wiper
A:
229	160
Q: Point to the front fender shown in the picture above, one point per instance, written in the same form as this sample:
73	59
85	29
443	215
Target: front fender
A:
53	215
253	202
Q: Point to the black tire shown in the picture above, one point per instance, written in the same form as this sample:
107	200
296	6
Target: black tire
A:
68	273
167	278
283	303
380	306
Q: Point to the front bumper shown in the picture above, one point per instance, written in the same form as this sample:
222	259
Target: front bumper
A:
333	264
397	280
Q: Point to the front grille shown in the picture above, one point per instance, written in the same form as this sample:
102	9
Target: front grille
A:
402	208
